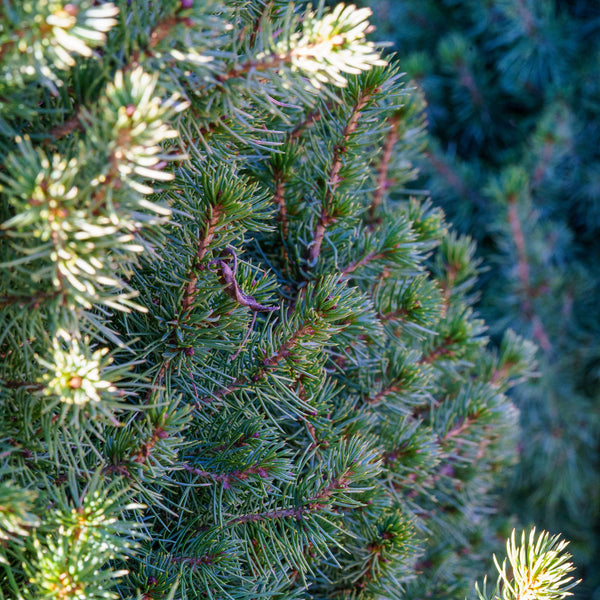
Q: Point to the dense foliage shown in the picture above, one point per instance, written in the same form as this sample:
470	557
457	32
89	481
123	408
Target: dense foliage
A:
513	98
239	359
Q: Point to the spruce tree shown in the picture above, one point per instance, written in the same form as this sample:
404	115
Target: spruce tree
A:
239	356
512	88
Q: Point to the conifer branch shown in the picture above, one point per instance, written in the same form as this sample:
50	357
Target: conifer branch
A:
197	561
452	178
460	427
265	12
392	456
539	331
314	503
201	250
384	164
279	201
443	349
392	388
69	126
365	260
284	350
158	33
142	454
468	81
399	313
334	180
14	384
227	478
311	118
267	63
32	301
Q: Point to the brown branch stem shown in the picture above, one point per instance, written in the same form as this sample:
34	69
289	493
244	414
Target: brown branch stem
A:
15	385
314	503
451	177
442	349
274	359
227	478
362	262
325	219
393	388
279	200
523	271
192	561
145	450
201	250
33	300
384	164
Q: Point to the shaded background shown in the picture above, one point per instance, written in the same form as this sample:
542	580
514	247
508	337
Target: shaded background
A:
513	93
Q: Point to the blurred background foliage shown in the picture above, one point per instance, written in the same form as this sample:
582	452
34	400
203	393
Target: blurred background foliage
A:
513	94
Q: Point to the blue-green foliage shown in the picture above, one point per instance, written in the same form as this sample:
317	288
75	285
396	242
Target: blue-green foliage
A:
513	92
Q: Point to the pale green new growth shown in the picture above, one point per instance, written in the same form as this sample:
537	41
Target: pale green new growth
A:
537	570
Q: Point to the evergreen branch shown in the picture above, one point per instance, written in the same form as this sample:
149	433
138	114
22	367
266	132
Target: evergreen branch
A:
399	313
9	44
201	250
159	32
537	568
69	126
264	13
279	175
539	332
227	478
267	63
334	180
14	384
197	561
384	164
236	384
279	200
32	301
324	50
392	388
311	118
460	427
284	350
392	456
365	260
443	349
273	360
313	504
232	288
452	178
158	380
142	454
468	81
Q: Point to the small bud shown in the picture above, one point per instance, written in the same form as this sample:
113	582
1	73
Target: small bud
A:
162	434
129	110
71	10
189	352
187	4
75	382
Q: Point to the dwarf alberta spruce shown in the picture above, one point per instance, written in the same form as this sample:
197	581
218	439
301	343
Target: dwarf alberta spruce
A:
238	353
